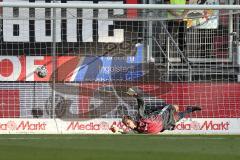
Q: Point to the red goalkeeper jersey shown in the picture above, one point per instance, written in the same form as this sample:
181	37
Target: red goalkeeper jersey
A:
150	125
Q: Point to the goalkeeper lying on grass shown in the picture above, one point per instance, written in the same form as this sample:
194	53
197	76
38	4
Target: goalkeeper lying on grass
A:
155	122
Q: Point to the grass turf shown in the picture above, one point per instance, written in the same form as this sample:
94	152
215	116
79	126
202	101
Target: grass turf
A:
118	147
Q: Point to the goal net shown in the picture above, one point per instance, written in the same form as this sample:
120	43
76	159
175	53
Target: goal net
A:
66	69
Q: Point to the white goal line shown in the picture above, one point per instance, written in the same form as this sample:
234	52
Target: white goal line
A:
157	137
118	6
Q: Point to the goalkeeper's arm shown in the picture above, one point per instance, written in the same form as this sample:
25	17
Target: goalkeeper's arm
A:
140	102
115	129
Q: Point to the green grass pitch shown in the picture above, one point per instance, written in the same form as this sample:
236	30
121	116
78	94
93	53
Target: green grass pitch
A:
119	147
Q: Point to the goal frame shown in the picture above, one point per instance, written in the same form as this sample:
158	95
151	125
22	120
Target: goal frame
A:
54	6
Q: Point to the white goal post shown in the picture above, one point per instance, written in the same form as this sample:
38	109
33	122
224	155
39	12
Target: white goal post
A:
119	6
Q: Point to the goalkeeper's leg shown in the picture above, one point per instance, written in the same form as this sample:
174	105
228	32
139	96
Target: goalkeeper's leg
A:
190	109
171	115
168	116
